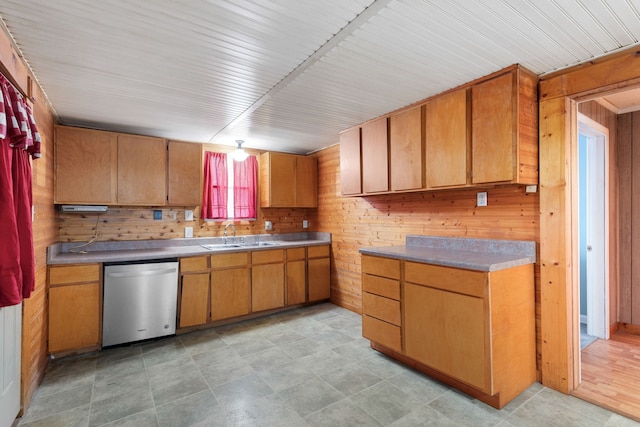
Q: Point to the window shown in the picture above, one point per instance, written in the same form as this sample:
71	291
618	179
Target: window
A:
229	187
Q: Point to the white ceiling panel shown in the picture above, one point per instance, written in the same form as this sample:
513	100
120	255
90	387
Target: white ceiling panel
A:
288	75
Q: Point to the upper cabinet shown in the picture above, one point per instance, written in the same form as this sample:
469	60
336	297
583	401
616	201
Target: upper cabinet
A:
481	133
142	163
350	162
505	129
447	140
85	166
108	168
375	156
406	144
184	170
288	181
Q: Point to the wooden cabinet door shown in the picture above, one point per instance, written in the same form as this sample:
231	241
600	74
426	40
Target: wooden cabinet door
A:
447	140
306	182
183	173
194	300
493	131
406	147
142	165
375	156
350	162
296	282
319	279
230	293
448	332
277	180
74	317
267	286
85	166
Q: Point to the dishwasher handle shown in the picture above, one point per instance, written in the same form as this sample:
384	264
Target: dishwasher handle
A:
143	273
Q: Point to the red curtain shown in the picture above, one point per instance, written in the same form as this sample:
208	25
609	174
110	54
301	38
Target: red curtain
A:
245	177
214	198
19	138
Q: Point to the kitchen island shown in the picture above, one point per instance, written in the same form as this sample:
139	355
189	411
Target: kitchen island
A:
459	310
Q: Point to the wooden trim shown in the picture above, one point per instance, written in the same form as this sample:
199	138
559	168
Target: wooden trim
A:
628	327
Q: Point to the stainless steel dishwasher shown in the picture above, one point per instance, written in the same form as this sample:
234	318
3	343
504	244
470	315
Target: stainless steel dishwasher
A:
139	301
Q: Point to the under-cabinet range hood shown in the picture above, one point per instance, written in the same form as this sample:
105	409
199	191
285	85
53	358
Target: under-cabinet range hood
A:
83	208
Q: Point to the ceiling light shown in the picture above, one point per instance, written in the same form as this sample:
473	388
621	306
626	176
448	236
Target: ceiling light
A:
239	155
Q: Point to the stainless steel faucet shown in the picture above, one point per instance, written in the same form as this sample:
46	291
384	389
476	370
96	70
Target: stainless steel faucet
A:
225	232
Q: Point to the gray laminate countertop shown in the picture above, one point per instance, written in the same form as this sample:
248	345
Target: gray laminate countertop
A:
141	250
466	253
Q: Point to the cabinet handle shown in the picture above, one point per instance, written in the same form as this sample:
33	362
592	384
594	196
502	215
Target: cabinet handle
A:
143	273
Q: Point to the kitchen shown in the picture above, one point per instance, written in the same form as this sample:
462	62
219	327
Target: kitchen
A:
373	221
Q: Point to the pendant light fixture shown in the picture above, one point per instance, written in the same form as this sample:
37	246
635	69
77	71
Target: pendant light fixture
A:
239	155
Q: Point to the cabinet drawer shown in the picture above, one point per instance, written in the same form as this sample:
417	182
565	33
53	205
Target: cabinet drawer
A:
318	251
196	263
381	308
389	288
446	278
266	257
296	254
237	259
378	266
381	332
74	274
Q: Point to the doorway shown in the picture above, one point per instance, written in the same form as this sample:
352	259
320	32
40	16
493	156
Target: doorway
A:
593	230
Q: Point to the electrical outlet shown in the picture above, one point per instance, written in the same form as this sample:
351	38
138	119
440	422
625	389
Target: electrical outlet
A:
188	215
305	223
531	188
188	232
482	198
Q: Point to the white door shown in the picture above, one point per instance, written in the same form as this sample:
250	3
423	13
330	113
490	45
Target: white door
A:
10	343
597	237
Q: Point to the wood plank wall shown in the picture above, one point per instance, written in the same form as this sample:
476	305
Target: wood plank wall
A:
629	162
383	220
34	313
608	119
137	223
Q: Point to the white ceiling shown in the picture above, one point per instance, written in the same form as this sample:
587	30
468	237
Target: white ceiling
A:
288	75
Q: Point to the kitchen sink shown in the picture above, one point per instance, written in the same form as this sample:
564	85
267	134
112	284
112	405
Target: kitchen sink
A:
255	244
221	246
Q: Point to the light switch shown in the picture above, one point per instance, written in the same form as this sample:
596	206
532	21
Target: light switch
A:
268	225
305	223
482	198
188	215
188	232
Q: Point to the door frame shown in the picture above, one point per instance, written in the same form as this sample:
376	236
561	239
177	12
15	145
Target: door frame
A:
598	315
558	286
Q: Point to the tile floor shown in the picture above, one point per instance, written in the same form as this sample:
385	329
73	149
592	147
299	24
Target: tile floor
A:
304	367
585	339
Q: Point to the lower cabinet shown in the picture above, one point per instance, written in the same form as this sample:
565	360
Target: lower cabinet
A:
381	315
74	307
318	273
267	280
474	330
230	285
194	291
448	331
296	283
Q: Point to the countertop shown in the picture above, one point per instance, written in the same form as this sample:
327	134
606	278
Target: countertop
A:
139	250
469	254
